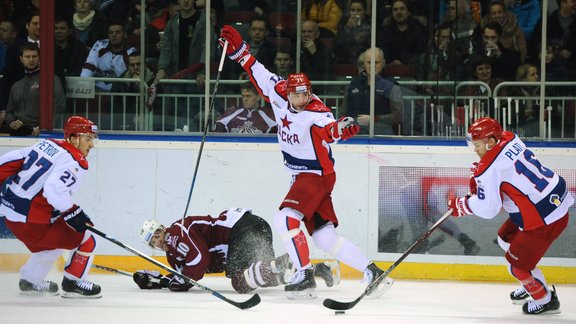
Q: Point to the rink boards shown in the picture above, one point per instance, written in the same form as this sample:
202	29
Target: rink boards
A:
134	178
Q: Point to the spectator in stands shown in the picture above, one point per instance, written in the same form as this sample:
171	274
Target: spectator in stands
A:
512	36
69	53
89	24
353	37
529	109
249	118
155	31
127	105
326	13
23	109
181	50
315	58
403	39
388	102
8	34
283	62
106	58
13	69
482	70
504	61
462	25
528	13
441	60
561	36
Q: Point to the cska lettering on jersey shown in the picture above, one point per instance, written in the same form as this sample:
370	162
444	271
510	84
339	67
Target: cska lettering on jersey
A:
288	137
47	148
512	152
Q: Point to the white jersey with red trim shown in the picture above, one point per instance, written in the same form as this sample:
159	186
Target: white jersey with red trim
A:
303	138
510	176
40	180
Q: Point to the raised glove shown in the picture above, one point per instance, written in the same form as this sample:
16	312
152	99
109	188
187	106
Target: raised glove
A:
343	128
150	279
76	218
237	48
178	284
459	206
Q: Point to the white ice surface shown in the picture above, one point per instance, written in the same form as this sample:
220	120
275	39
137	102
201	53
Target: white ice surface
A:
406	302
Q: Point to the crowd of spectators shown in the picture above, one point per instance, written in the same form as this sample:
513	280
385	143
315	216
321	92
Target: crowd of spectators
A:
439	41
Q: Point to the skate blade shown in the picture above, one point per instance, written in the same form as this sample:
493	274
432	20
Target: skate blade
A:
73	295
37	293
309	293
381	289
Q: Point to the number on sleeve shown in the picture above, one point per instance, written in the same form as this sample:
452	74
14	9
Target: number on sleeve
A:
539	183
67	175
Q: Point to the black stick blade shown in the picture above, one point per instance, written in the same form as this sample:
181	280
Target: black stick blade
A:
336	305
253	301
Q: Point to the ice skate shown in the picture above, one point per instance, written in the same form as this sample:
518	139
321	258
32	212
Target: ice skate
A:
302	285
552	307
520	296
79	289
470	247
283	268
47	288
329	271
373	273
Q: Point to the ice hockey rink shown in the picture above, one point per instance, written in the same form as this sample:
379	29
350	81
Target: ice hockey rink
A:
406	302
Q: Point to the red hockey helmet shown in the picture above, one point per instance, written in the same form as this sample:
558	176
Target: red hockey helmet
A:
484	127
79	125
298	82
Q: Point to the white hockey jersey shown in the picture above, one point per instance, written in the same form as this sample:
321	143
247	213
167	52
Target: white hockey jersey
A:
39	180
302	135
510	176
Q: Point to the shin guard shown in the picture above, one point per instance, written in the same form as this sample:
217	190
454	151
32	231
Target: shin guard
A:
81	259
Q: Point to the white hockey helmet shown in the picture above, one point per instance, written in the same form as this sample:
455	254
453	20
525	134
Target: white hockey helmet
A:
148	230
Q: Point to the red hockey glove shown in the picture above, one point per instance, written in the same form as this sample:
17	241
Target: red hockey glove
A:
459	206
343	129
150	279
237	48
178	284
472	182
76	218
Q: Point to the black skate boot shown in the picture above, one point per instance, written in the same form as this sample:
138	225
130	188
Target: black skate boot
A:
470	247
329	271
373	273
519	296
302	285
80	289
552	307
45	288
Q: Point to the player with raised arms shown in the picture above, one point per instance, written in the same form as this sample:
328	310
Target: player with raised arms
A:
306	128
38	184
536	199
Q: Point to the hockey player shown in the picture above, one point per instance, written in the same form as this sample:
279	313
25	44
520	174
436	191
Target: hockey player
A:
38	182
509	176
306	127
236	242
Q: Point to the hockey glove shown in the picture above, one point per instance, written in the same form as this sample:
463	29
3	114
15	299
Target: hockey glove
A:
459	206
178	284
76	218
343	129
237	48
150	279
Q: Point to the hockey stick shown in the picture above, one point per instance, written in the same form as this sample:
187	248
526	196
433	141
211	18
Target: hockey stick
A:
205	130
122	272
336	305
253	301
